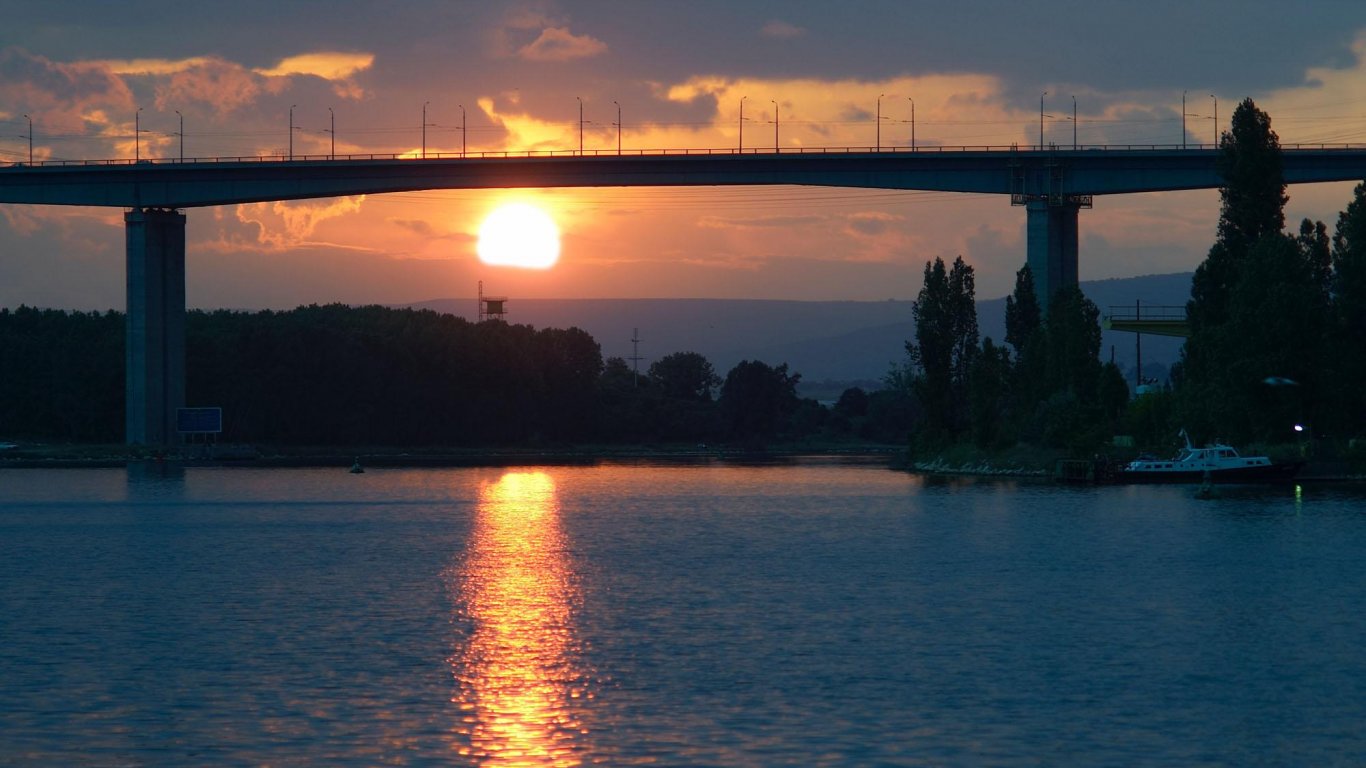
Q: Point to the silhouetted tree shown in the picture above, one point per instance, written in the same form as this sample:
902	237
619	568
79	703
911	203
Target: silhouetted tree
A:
1349	310
945	315
685	376
756	398
1023	315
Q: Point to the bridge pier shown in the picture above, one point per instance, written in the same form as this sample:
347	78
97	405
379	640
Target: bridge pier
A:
154	340
1051	246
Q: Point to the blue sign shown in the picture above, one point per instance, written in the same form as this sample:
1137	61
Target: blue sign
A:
199	420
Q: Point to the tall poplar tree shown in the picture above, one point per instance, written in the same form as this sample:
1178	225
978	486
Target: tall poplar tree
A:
945	314
1216	381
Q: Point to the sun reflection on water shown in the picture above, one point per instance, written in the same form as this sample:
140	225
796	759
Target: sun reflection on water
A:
517	672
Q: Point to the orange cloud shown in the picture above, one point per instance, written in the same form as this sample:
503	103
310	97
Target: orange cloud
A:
336	67
559	44
285	225
149	66
223	85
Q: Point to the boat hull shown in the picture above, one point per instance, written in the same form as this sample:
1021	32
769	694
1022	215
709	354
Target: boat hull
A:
1277	472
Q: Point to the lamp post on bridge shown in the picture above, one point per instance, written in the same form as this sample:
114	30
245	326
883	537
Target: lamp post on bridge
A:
742	124
424	129
137	136
1216	120
1045	93
614	101
908	98
181	134
879	121
462	130
291	130
1183	119
580	98
775	125
30	139
332	154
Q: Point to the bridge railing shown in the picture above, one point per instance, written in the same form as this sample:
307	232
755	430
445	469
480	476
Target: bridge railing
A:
549	153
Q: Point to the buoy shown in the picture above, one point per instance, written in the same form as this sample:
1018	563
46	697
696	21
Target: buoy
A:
356	468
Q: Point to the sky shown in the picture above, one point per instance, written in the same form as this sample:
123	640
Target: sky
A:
973	72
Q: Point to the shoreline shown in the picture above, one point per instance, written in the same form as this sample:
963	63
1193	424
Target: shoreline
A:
106	457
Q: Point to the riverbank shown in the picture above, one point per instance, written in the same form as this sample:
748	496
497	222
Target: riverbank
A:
83	455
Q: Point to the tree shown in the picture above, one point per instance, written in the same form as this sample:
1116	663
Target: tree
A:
1231	297
1022	311
990	390
945	315
756	398
1252	202
1349	310
685	376
1253	197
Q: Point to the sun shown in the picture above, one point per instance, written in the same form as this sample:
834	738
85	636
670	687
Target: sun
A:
519	235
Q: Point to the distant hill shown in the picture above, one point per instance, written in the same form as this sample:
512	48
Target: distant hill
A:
838	341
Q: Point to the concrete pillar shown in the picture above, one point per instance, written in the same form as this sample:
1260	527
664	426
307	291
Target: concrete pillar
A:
1052	246
155	331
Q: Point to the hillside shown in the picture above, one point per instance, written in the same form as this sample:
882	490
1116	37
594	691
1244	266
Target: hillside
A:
839	341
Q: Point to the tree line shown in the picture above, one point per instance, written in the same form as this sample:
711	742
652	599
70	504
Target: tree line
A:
340	375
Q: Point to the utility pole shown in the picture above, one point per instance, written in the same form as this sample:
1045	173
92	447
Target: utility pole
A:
635	355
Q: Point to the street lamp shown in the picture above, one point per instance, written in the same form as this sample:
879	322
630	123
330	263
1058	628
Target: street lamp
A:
614	101
1074	121
181	134
775	125
1183	119
332	155
879	121
30	139
291	130
1045	93
462	130
424	129
580	124
908	98
1216	120
137	135
742	123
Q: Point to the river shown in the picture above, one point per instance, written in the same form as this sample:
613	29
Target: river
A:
814	612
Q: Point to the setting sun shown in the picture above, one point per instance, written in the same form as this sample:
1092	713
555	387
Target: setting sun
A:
519	235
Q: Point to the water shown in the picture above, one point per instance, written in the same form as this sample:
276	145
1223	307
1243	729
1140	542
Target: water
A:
817	613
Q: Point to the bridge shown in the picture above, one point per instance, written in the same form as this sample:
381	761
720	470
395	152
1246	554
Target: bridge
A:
1052	183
